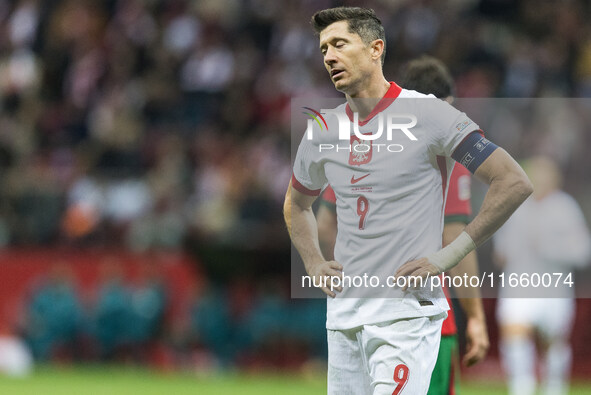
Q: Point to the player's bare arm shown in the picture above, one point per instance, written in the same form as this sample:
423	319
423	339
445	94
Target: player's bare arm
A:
477	341
508	188
303	230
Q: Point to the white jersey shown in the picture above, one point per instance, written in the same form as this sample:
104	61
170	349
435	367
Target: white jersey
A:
544	236
390	200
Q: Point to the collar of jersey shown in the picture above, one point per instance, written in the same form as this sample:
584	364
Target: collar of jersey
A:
388	99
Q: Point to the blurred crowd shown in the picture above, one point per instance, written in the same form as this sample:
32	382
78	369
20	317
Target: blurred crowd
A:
147	123
138	123
166	123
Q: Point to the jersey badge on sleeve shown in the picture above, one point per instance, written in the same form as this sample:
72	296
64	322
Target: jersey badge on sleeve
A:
463	125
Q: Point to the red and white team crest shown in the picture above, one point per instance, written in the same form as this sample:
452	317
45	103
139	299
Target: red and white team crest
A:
361	151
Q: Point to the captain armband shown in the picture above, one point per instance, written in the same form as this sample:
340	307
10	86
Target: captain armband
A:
473	151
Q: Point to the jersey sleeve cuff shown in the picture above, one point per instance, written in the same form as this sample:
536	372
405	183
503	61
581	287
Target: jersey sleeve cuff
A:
302	189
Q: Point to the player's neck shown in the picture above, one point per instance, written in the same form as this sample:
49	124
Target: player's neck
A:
366	98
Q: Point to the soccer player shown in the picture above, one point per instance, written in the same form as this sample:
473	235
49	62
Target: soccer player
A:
548	234
387	209
429	75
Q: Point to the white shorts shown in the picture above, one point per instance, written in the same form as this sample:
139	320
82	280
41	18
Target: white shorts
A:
395	357
553	317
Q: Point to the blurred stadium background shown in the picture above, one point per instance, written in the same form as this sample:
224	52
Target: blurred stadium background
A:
144	154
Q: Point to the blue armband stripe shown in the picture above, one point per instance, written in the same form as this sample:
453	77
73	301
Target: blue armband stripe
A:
473	151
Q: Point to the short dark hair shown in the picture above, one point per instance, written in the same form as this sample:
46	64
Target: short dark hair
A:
362	21
428	75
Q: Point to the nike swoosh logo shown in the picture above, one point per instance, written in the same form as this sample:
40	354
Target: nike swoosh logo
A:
356	180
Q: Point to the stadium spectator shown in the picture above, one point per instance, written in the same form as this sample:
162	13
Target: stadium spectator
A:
80	83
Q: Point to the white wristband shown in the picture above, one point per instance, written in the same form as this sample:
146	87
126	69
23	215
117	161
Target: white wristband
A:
454	252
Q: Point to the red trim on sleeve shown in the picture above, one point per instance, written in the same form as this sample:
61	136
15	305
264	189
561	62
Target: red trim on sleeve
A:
329	196
391	95
302	189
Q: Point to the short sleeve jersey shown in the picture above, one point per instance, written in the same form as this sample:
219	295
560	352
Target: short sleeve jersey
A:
457	209
391	191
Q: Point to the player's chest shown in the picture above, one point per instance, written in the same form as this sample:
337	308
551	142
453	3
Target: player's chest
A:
377	165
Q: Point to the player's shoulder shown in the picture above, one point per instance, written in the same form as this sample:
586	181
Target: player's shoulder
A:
410	94
559	196
431	108
562	199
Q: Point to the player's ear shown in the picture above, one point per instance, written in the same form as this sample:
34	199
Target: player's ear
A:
377	48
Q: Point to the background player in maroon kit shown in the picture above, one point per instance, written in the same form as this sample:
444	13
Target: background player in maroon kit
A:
429	75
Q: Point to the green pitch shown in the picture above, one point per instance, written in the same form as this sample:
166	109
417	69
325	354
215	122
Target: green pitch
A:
123	380
118	380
